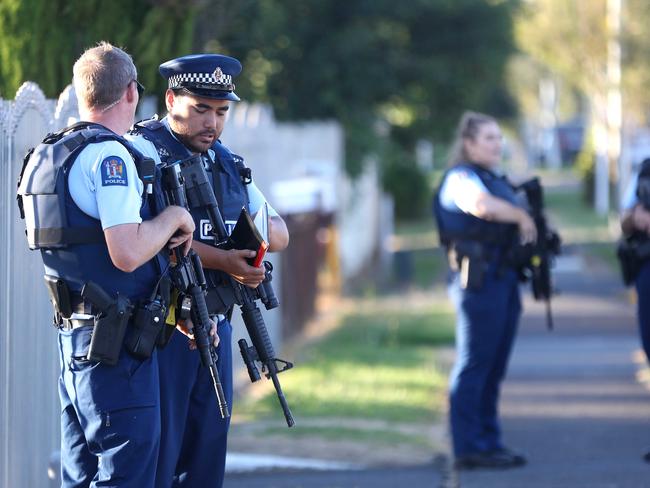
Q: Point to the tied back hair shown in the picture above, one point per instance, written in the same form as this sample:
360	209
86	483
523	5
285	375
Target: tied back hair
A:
468	128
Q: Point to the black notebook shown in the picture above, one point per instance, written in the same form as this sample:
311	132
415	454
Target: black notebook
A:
251	233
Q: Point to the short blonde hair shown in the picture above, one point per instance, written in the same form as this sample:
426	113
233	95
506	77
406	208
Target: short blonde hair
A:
468	128
102	74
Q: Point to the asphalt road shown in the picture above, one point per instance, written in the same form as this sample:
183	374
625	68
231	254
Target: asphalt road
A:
571	402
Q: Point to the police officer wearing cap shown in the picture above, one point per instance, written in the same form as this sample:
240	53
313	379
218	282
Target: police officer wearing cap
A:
193	445
87	211
478	215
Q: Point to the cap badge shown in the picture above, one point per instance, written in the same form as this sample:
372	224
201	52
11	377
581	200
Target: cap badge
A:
217	73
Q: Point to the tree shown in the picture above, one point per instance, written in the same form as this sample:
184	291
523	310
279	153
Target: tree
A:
571	39
41	39
412	66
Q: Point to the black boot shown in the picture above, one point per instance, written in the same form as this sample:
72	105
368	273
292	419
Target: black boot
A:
517	458
489	459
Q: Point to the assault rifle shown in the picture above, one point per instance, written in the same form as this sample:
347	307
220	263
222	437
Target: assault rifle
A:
536	258
188	278
200	194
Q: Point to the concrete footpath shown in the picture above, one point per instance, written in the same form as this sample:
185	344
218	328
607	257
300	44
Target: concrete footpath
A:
571	401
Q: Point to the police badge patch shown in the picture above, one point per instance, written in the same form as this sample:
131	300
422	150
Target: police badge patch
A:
114	172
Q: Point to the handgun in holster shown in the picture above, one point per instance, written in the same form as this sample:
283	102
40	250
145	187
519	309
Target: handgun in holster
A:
470	262
111	318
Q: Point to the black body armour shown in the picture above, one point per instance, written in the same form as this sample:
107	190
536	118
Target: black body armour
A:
71	242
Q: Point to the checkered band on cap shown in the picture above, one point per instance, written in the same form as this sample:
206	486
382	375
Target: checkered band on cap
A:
224	81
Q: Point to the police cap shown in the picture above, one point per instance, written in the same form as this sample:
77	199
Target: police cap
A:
204	75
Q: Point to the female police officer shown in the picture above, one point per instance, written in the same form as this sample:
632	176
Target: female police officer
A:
478	219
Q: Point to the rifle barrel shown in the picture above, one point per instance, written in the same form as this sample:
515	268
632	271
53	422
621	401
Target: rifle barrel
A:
283	401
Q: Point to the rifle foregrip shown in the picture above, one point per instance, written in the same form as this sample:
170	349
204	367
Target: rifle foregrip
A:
262	343
201	325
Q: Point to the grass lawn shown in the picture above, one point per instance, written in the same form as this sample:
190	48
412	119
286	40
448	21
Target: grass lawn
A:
420	253
571	214
374	366
579	224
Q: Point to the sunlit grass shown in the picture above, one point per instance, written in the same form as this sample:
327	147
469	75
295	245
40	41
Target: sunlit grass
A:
424	257
380	367
577	221
332	433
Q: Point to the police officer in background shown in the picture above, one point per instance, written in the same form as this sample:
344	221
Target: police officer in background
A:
478	217
101	227
193	445
635	224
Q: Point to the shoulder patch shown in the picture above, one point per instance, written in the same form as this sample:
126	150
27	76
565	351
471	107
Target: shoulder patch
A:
114	172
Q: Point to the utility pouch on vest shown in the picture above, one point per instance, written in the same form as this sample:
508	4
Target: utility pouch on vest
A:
142	336
469	260
60	298
110	323
148	323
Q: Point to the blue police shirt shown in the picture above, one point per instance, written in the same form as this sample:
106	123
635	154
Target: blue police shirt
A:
104	184
460	189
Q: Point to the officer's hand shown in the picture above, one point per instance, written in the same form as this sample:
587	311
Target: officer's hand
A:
237	267
186	327
641	219
527	229
183	235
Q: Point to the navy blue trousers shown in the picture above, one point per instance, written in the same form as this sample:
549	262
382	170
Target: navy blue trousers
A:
110	418
643	306
486	323
194	436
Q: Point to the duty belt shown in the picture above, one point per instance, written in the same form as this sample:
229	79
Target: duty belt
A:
81	316
70	324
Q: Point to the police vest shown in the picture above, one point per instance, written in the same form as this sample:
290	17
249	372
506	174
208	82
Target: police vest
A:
229	179
72	243
456	226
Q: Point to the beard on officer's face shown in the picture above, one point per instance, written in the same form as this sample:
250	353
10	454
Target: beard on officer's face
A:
196	140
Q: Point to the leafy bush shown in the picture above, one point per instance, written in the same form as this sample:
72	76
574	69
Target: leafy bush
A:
407	184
